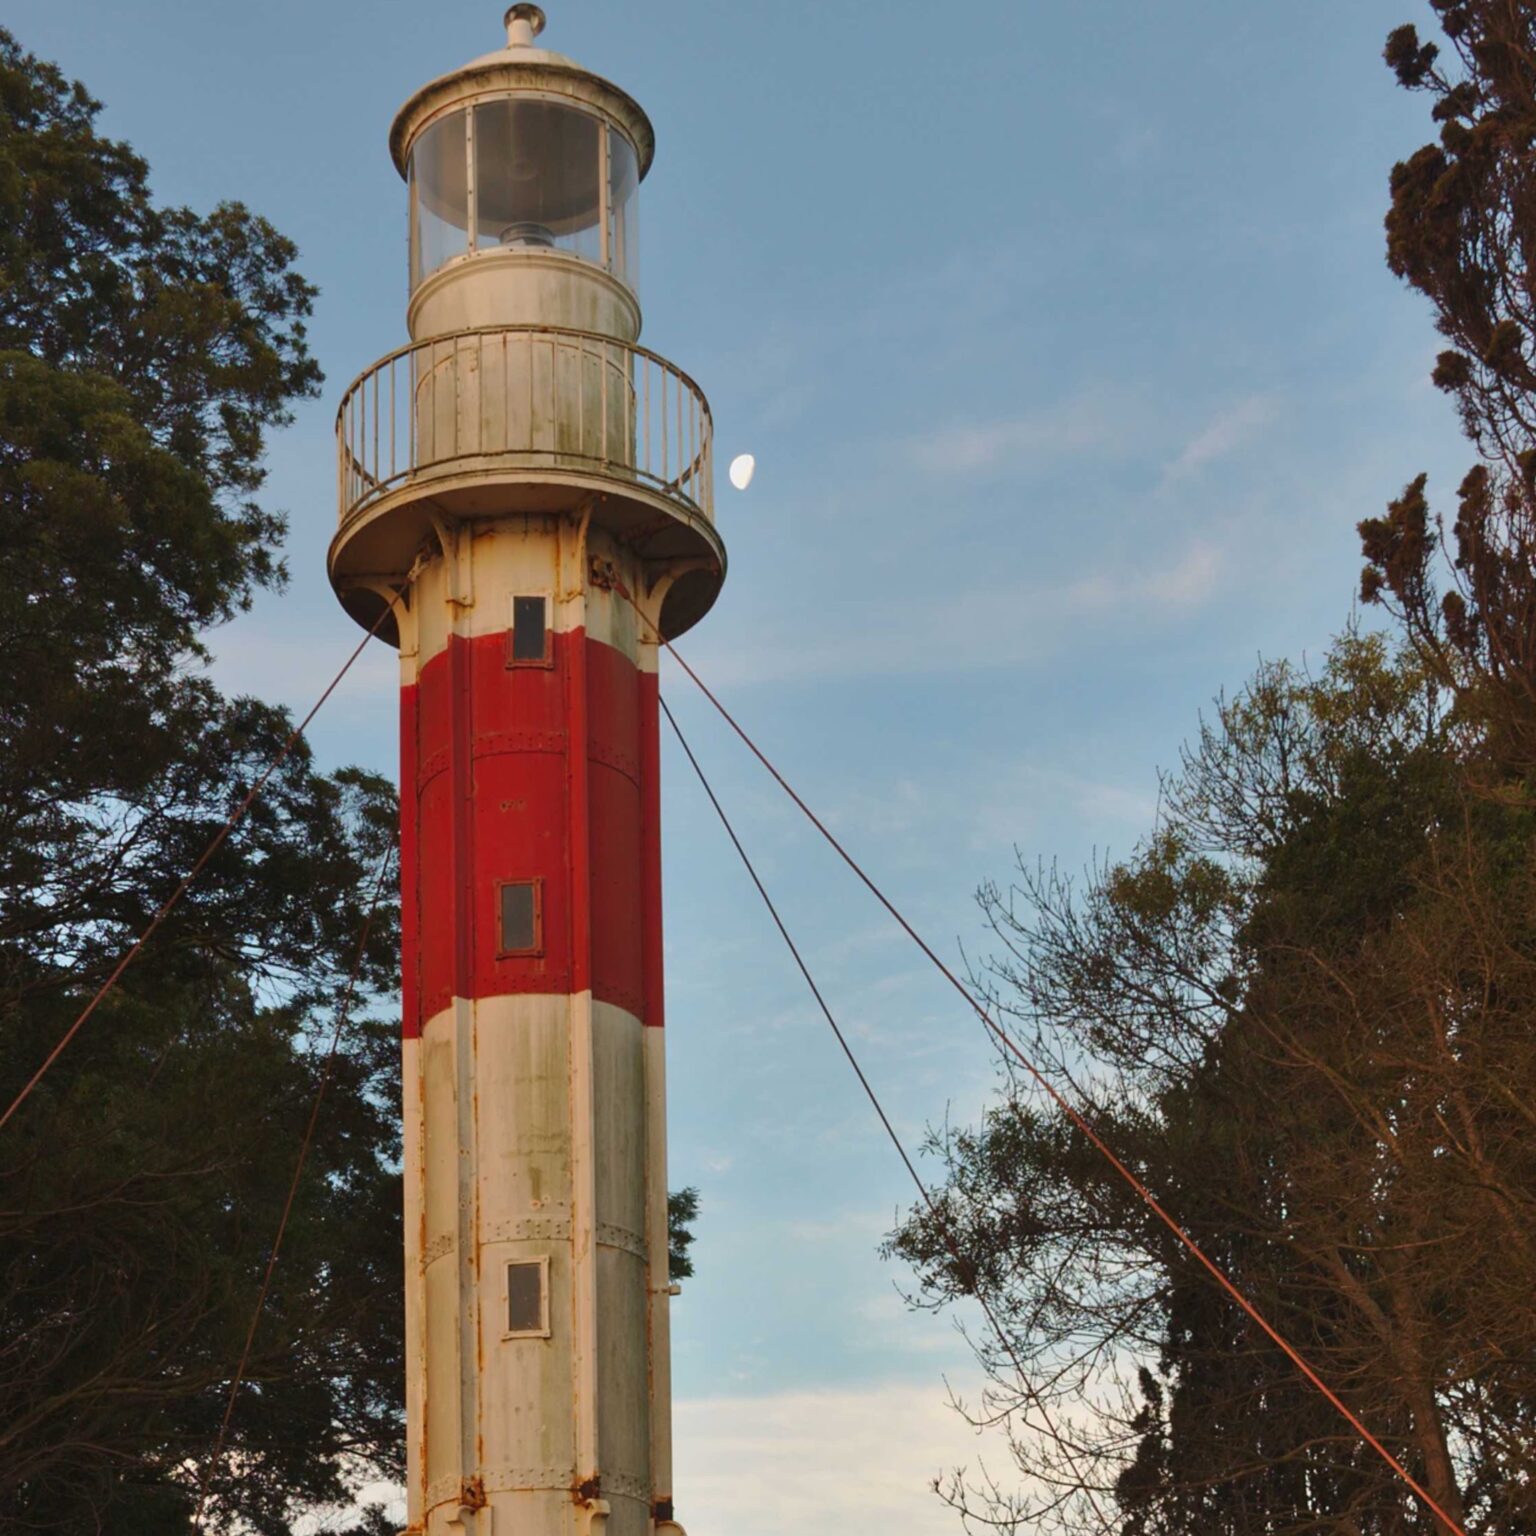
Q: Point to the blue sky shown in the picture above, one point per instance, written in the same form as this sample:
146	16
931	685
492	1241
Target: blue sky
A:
1064	341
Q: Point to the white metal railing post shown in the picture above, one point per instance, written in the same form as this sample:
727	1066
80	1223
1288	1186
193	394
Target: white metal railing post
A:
472	192
602	384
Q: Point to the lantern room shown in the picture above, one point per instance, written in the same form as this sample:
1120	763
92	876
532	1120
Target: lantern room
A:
524	173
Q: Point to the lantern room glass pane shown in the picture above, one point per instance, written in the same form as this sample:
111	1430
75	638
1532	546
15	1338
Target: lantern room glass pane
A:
538	168
623	209
439	196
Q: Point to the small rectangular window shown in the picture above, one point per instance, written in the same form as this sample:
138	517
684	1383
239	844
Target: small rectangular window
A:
528	1299
521	918
530	645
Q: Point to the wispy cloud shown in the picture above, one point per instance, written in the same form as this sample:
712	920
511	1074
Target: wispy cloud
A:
866	1226
1188	581
986	802
1058	431
1022	804
1229	430
1010	625
260	657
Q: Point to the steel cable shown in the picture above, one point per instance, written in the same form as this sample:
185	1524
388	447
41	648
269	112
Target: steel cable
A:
327	1068
1078	1119
946	1232
165	908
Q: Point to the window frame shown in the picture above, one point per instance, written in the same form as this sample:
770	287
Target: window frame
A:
418	272
534	883
547	660
544	1330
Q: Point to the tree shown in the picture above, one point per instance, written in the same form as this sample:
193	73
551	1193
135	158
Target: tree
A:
1303	1011
1462	231
145	355
682	1212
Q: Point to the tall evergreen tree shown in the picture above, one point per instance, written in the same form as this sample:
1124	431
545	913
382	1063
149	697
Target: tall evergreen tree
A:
145	355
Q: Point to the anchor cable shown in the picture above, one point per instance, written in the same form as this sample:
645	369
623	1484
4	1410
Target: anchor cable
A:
1075	1115
939	1217
327	1069
235	816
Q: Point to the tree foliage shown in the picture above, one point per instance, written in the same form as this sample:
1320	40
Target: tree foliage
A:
1304	1011
682	1212
145	355
1462	230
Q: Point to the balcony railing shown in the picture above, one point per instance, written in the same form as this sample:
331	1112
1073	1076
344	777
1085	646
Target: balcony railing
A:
521	399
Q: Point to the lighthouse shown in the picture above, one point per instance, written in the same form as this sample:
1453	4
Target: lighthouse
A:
526	504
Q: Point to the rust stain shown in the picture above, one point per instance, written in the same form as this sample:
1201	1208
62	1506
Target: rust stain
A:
590	1490
472	1494
475	1256
419	1277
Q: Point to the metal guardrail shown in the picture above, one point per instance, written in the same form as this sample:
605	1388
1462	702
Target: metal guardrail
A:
525	398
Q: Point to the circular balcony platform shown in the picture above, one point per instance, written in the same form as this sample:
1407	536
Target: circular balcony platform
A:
498	422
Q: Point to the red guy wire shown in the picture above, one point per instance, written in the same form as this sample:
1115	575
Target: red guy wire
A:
213	847
293	1189
1062	1102
939	1217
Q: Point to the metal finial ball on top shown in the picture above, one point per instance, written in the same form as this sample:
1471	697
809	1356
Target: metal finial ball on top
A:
523	24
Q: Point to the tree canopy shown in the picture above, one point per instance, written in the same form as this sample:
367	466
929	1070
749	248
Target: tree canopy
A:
146	354
1304	1011
1302	1014
1462	230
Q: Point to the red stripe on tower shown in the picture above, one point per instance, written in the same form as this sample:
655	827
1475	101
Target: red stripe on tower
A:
410	868
648	693
499	796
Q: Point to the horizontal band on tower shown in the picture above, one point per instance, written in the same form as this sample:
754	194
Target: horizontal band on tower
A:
491	796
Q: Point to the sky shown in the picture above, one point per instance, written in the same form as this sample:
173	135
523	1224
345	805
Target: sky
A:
1063	338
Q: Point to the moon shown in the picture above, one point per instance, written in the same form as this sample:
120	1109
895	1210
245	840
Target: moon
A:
743	467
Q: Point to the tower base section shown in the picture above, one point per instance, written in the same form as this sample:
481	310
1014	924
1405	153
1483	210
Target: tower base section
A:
531	1300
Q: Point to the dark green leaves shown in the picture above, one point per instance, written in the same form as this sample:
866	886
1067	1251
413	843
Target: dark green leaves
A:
1408	58
682	1212
145	355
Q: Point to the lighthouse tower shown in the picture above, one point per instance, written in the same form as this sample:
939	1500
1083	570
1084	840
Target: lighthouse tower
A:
526	501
